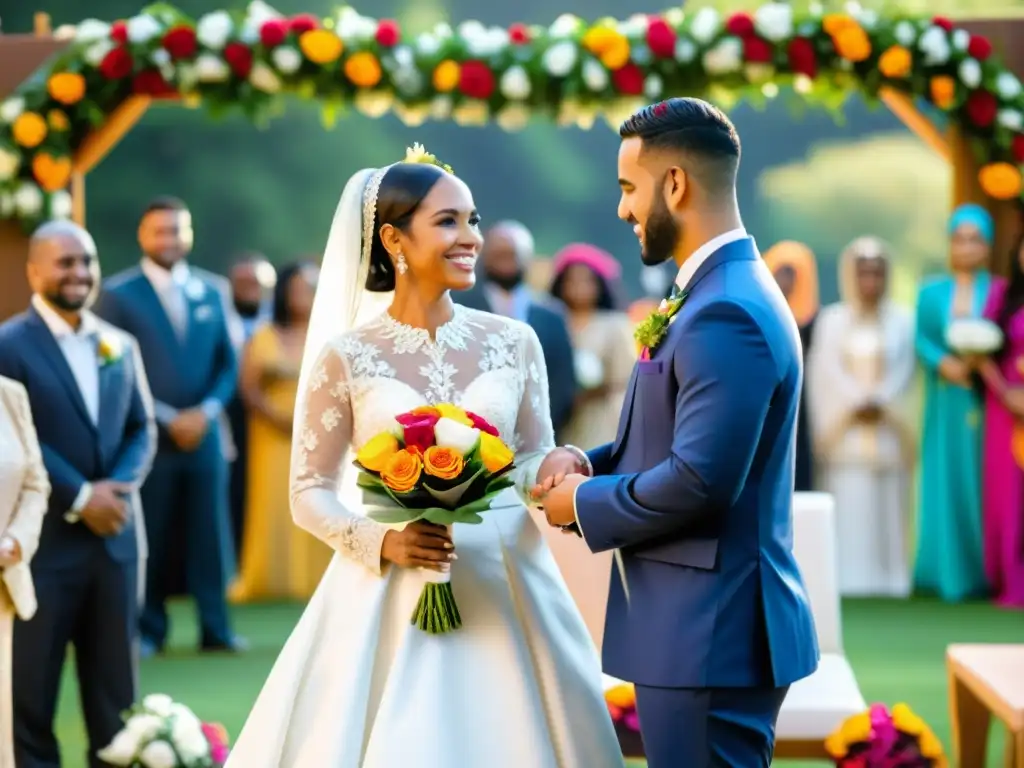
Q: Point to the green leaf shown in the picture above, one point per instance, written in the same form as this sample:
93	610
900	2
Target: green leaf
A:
450	497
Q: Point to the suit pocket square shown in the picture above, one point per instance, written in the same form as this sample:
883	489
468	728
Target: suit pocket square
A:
650	367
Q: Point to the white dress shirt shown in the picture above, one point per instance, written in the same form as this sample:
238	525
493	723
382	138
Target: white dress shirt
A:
80	348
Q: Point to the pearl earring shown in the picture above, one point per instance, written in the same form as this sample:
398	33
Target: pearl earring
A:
400	264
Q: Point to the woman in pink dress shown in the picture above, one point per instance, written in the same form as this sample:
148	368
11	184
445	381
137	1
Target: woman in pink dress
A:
1003	478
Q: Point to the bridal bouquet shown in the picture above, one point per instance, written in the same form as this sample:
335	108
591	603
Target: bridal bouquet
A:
974	336
441	464
161	733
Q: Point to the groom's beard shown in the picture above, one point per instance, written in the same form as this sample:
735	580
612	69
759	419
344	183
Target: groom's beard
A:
247	309
507	282
661	235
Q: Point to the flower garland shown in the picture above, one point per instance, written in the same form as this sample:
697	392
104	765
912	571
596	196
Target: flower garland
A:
571	70
879	738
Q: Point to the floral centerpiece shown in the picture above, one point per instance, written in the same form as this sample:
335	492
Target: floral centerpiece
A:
441	464
974	336
879	738
621	701
161	733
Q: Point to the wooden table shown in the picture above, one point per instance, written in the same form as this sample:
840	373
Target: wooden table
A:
985	680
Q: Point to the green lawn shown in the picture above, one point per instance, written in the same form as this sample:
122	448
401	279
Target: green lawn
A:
895	647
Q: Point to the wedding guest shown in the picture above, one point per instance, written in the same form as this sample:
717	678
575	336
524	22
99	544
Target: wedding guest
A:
796	271
93	414
183	320
948	558
858	372
505	258
1003	486
24	496
279	559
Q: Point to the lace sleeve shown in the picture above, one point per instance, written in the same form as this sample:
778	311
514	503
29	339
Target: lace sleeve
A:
535	436
323	433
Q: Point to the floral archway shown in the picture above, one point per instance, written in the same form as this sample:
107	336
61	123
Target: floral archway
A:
571	71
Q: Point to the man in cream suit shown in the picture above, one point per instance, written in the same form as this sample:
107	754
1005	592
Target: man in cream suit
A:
94	417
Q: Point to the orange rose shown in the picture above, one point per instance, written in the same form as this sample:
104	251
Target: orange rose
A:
943	91
453	412
402	471
442	463
377	451
1001	181
66	87
426	410
494	453
834	23
895	62
853	44
363	69
446	75
29	130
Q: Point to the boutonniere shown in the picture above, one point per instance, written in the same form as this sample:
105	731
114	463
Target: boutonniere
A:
653	328
109	349
195	289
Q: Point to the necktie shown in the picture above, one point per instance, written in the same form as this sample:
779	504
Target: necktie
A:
176	308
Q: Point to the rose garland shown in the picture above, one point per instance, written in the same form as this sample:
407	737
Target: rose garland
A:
571	70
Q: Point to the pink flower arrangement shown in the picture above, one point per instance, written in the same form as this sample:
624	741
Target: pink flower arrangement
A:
879	738
217	736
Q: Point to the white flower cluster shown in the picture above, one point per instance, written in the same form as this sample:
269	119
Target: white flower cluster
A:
974	336
161	734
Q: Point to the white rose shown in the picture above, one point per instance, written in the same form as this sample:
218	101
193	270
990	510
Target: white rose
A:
413	116
1010	118
725	57
161	57
211	69
595	76
513	117
443	30
934	44
635	27
143	28
213	29
122	751
451	434
91	30
60	204
428	44
263	78
286	59
408	80
260	13
559	59
249	33
96	52
11	109
471	112
705	25
961	39
674	16
774	21
491	42
1007	85
10	162
653	87
686	50
144	726
158	704
403	57
187	736
158	754
565	25
28	199
970	73
353	27
441	107
515	83
905	33
374	103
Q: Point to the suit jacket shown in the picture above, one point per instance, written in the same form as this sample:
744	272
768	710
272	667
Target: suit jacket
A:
201	369
75	450
24	503
548	321
696	492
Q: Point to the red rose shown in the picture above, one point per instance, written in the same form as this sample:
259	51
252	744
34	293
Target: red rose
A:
417	429
802	57
482	424
273	32
119	32
980	47
981	108
943	22
519	34
180	42
117	64
1018	148
629	80
304	22
757	51
149	82
476	80
388	33
661	38
239	59
740	24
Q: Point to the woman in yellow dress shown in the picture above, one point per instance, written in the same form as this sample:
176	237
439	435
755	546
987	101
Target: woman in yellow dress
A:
279	560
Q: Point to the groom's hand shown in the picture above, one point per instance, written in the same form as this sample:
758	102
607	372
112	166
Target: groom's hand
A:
561	461
559	501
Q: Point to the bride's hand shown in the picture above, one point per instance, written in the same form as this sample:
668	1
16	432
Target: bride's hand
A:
419	545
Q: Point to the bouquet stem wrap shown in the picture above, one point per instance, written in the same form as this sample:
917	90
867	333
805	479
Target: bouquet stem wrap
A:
436	611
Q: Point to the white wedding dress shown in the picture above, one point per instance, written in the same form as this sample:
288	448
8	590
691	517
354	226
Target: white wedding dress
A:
357	686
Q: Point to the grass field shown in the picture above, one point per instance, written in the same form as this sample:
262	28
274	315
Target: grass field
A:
896	649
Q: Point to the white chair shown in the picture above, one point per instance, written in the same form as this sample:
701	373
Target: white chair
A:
817	704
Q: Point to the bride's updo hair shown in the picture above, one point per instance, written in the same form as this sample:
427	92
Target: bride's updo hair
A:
401	193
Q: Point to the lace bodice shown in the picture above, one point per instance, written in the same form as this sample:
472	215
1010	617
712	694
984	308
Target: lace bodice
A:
487	364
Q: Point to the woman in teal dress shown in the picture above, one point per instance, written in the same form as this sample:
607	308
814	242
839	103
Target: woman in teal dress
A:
949	559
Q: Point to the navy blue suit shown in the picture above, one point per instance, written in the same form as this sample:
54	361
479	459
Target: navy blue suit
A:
187	492
87	585
713	623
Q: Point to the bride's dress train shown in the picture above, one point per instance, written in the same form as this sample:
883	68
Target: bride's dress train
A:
357	686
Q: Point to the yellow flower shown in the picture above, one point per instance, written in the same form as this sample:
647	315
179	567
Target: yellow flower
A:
930	746
377	451
609	45
402	471
836	745
494	453
1001	181
904	719
66	87
109	350
29	129
895	62
363	69
857	728
58	120
852	43
453	412
943	91
51	172
446	75
442	463
622	696
320	46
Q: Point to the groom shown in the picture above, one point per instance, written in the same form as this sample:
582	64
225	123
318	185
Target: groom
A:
707	613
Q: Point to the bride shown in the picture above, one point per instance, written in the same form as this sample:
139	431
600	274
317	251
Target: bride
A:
358	686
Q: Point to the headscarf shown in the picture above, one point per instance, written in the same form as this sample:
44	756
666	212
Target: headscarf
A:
862	248
597	259
803	299
974	215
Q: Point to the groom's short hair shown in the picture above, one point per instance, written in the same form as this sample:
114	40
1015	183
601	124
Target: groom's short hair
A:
695	129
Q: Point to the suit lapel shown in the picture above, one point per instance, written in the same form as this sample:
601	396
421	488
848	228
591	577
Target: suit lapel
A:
148	293
109	374
627	412
51	352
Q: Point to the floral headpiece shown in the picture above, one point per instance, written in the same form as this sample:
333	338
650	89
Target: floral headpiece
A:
417	153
